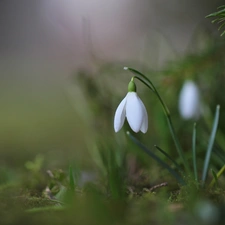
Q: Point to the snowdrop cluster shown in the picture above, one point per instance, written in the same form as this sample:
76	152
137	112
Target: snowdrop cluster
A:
132	108
189	101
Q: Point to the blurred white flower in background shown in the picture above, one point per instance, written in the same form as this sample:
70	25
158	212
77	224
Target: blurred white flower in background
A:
189	101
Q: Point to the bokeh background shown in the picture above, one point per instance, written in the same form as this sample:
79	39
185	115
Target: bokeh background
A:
61	80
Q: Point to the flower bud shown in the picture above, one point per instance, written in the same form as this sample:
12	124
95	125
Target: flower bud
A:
132	86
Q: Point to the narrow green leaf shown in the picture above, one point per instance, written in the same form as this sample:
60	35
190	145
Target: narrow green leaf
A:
210	145
143	81
213	21
222	33
216	13
222	6
221	20
155	157
215	179
169	157
211	15
221	26
216	176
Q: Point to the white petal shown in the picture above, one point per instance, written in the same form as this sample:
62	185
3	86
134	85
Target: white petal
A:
134	111
120	115
144	125
189	101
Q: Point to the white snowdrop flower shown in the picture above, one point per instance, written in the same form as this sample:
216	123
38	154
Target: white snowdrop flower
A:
132	108
189	101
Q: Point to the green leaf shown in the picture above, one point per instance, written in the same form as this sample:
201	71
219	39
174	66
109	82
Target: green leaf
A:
220	17
221	26
169	157
215	178
156	158
210	145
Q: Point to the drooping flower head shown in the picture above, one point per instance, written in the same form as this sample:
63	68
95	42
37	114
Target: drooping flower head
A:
132	108
189	101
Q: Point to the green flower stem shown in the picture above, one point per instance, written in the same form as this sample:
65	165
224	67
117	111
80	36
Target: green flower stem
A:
150	85
194	152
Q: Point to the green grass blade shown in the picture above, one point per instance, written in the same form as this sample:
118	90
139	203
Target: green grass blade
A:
210	145
156	158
